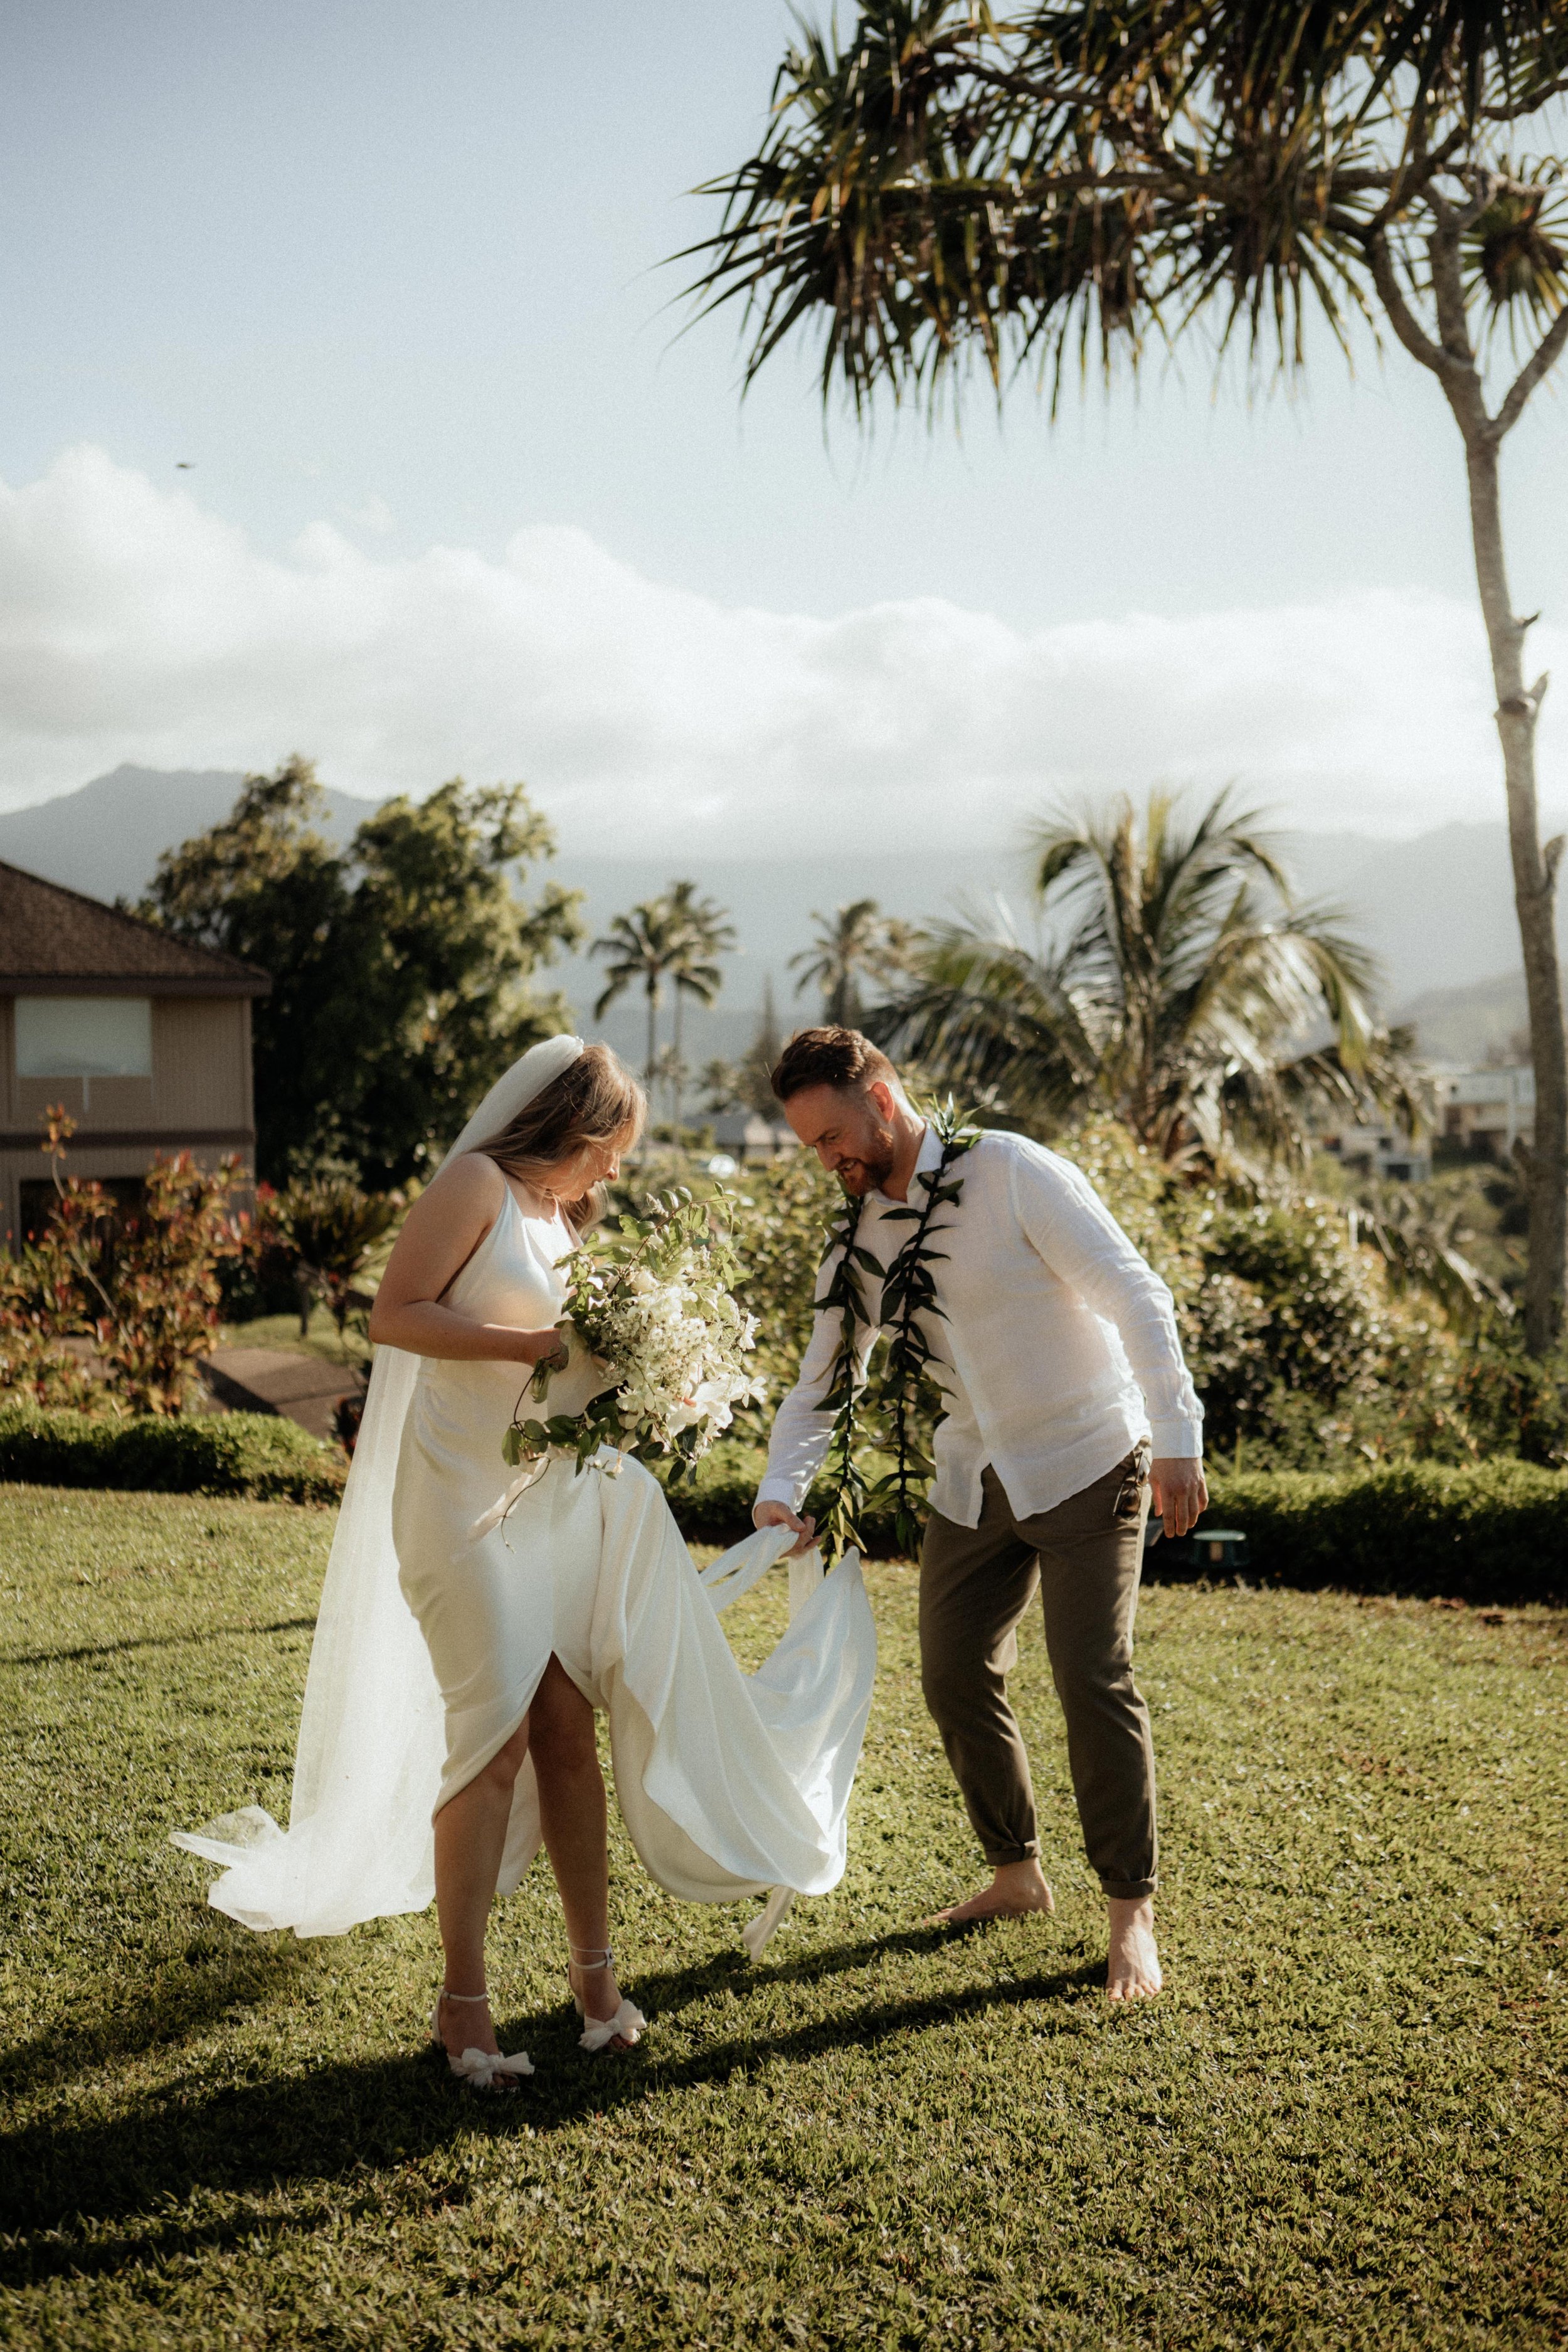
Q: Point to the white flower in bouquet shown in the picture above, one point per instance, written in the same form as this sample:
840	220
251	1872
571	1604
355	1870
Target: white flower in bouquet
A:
663	1322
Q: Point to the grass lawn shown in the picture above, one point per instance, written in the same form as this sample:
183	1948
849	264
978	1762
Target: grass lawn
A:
1342	2125
324	1338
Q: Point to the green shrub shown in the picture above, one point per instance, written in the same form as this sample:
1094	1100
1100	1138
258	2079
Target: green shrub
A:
212	1453
1307	1354
1484	1532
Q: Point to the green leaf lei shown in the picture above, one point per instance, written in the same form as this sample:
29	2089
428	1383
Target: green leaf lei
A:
885	1415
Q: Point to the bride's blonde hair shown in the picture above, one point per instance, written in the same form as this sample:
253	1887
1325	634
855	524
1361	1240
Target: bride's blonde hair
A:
596	1099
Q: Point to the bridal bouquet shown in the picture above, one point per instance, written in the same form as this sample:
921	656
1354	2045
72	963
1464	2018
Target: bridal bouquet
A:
672	1342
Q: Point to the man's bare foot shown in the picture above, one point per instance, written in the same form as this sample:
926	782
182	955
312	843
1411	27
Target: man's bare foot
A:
1018	1888
1133	1972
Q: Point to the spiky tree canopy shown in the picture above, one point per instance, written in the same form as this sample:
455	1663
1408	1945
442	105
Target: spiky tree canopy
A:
1071	183
1180	989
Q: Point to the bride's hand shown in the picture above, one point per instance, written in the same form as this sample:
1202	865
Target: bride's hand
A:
546	1346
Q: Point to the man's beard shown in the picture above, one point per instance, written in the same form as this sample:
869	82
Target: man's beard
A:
868	1174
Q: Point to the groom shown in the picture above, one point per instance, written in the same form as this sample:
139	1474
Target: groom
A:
1068	1407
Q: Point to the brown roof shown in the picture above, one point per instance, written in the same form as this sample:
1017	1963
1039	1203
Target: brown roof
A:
55	941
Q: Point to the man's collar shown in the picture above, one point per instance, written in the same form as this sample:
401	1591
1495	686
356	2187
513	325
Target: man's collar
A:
927	1157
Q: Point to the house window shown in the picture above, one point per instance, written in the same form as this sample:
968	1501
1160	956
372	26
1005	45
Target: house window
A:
84	1037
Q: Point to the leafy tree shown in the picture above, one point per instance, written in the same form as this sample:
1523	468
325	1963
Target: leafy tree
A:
857	941
400	966
721	1085
446	949
762	1057
946	190
1180	984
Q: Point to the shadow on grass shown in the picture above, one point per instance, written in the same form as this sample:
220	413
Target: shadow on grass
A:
148	1641
341	2121
185	2001
666	1992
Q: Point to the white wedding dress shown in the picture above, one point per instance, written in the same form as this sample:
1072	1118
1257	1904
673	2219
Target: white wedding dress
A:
439	1616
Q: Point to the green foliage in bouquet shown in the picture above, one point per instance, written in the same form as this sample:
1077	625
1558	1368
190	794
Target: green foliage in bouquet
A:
662	1318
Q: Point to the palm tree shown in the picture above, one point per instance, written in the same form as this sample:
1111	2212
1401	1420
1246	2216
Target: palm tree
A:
702	931
949	193
1178	987
643	947
857	938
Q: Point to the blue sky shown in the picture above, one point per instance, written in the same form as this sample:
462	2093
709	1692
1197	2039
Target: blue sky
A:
389	274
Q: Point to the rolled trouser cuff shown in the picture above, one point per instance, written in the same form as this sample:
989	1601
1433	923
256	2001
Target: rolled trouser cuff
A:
1128	1890
999	1856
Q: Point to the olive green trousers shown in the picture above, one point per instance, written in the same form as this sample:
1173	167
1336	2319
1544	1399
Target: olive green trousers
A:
1086	1556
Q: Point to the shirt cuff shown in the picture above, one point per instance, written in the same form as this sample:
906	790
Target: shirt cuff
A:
1177	1441
778	1489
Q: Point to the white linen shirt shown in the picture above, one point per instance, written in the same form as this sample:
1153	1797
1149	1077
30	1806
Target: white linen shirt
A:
1056	1346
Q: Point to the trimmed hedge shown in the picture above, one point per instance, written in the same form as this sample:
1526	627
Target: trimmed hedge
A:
254	1454
1494	1531
1481	1532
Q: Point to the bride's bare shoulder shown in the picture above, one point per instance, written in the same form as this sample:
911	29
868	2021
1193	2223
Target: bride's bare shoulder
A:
469	1192
470	1182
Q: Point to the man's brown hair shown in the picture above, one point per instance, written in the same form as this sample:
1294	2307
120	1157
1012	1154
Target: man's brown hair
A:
841	1058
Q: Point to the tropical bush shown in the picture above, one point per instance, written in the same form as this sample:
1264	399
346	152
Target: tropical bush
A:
136	1290
1309	1349
322	1235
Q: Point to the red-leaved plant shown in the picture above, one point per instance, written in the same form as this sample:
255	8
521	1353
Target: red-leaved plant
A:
139	1285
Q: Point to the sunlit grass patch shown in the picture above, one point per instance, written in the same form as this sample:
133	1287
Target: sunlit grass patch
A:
1342	2126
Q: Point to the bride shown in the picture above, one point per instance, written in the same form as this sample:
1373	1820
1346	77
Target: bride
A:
468	1631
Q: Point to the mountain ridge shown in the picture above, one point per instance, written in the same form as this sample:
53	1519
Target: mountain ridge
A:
1437	909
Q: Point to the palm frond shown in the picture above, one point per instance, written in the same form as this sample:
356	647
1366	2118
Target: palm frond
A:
1181	990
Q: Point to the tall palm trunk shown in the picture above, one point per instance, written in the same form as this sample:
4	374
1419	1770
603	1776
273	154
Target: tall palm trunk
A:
680	1070
1453	362
652	986
1534	895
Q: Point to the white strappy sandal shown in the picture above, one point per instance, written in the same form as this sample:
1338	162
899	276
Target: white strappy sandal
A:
479	2069
628	2022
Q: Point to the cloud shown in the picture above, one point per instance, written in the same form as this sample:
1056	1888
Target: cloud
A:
136	626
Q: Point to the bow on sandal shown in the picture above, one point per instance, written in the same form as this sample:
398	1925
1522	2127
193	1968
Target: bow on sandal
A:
480	2070
628	2023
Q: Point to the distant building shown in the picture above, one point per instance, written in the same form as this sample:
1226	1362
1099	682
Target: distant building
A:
747	1138
1381	1151
1487	1111
143	1038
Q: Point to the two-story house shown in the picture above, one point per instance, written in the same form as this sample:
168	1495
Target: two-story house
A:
143	1038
